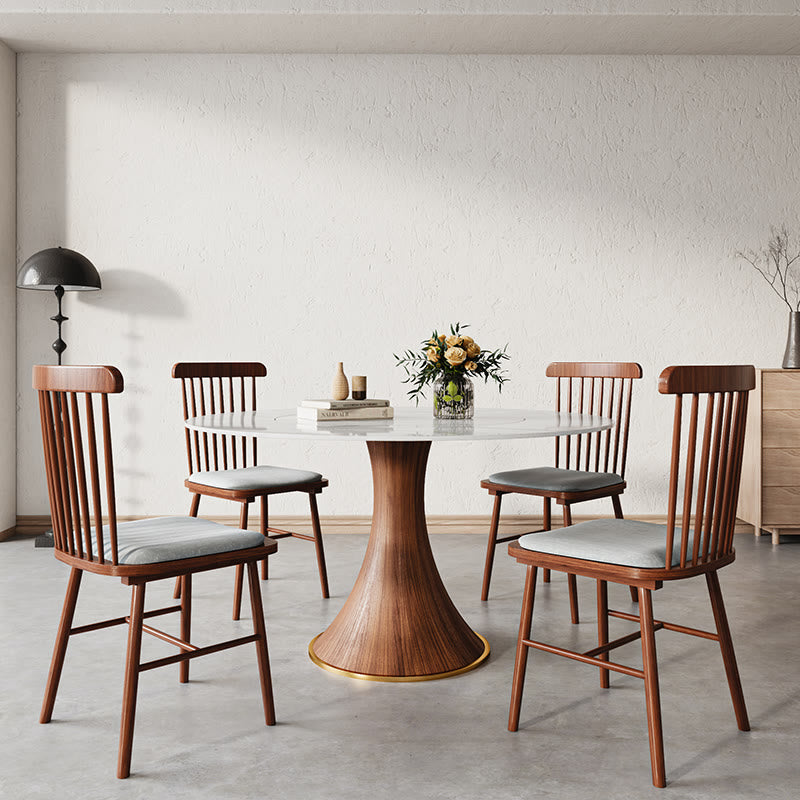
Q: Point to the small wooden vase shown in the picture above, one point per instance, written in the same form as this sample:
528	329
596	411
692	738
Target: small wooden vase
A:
340	388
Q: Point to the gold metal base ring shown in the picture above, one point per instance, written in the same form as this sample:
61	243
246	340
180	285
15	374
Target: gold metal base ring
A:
398	678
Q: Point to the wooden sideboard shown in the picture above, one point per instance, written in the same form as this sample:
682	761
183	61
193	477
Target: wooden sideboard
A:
769	496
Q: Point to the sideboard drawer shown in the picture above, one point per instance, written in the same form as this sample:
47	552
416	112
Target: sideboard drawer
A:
780	428
780	506
780	466
781	390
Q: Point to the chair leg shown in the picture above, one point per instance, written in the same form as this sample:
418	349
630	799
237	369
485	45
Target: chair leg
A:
261	643
651	687
60	647
619	515
186	622
491	546
602	627
176	594
237	586
571	579
572	583
264	532
131	681
521	660
726	646
323	571
546	526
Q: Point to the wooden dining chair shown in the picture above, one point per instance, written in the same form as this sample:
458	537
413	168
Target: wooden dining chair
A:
587	466
227	466
77	448
706	464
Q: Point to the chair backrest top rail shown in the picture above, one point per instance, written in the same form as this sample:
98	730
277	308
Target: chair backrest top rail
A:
78	378
219	369
594	369
687	379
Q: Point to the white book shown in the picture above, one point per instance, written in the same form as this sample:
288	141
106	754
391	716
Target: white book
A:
334	414
368	403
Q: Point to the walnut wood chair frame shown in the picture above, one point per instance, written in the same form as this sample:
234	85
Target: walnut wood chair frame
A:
597	388
212	387
76	444
708	477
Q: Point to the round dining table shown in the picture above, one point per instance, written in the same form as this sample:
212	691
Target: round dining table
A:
398	622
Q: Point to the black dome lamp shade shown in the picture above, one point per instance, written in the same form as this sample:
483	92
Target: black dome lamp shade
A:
59	270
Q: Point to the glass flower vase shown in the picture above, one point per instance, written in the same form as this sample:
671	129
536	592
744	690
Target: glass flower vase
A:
453	397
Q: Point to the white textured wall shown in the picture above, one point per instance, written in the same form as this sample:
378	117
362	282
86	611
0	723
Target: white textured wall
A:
8	272
307	209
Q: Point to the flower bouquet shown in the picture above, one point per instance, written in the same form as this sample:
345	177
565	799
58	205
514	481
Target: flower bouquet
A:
448	363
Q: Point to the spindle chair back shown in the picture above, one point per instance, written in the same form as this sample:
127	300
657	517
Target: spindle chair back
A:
217	387
601	389
76	434
706	460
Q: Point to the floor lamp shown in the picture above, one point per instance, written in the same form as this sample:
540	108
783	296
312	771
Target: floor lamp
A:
58	270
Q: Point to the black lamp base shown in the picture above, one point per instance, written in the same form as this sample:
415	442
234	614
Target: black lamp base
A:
45	540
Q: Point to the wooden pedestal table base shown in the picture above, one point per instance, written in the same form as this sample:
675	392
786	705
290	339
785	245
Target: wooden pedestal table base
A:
399	623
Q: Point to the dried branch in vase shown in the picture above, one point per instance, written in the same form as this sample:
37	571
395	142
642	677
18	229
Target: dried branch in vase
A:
779	265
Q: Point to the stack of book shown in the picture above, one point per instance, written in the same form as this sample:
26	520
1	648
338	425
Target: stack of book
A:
332	410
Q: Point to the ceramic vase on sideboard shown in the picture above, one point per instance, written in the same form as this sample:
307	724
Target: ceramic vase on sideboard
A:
791	356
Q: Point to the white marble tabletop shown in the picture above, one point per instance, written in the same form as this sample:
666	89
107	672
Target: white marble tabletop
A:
408	425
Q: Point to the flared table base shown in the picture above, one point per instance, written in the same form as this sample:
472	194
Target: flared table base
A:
399	623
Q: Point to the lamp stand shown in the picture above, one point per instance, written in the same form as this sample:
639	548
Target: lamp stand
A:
59	345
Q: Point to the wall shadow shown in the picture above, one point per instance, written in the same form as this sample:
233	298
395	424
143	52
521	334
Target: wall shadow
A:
135	297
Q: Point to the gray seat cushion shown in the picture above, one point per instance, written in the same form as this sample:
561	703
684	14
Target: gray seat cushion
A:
153	541
253	479
610	541
552	479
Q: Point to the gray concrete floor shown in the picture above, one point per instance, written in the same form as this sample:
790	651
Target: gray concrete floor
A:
343	738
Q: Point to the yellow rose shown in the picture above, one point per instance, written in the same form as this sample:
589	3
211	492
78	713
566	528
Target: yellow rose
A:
470	365
441	337
466	340
455	356
433	354
453	341
473	350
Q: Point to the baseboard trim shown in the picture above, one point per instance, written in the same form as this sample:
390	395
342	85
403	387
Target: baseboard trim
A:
34	525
